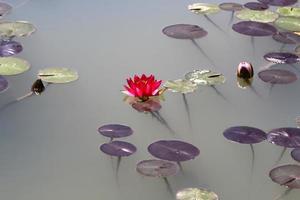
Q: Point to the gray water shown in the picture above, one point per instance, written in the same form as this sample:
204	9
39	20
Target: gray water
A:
49	144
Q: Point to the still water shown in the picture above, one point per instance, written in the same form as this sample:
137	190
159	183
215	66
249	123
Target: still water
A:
49	144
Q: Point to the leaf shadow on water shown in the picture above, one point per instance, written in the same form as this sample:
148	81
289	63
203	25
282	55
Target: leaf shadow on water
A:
187	109
284	194
231	17
253	45
219	93
281	155
161	120
214	24
203	52
169	188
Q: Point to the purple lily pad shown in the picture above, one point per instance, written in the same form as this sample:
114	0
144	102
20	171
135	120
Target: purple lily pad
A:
287	175
282	58
285	137
118	148
173	150
254	28
256	6
10	48
231	6
245	134
296	154
4	8
277	76
287	37
184	31
278	2
115	130
3	84
157	168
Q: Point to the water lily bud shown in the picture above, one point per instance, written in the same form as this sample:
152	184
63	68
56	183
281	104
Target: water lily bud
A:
245	70
38	87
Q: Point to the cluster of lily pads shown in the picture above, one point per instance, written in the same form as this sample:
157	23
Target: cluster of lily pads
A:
11	65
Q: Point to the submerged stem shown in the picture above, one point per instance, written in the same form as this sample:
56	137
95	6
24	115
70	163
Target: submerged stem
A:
215	25
231	18
281	155
169	188
187	109
203	52
281	196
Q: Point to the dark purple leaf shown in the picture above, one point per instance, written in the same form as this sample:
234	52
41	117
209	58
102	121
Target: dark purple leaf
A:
3	84
118	148
254	28
245	134
285	137
147	106
296	154
279	2
4	8
10	48
231	6
287	37
287	175
256	6
115	130
282	58
173	150
277	76
157	168
184	31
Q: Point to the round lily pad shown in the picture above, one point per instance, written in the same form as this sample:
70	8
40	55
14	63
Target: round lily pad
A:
204	8
181	86
287	37
4	8
58	75
10	48
296	154
278	2
205	77
245	134
115	130
277	76
3	84
157	168
282	57
231	6
13	66
264	16
196	194
16	29
297	50
288	23
147	106
256	6
254	28
173	150
118	148
289	11
287	175
184	31
286	137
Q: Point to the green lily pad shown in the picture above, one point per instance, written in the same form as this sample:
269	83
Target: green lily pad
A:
289	11
288	23
196	194
16	29
58	75
205	77
13	66
181	86
264	16
204	8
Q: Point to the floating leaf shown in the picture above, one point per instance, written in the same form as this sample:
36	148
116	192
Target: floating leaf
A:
279	2
296	154
118	148
3	84
16	29
277	76
289	11
285	137
115	130
184	31
282	58
231	6
181	86
13	66
58	75
288	23
245	134
204	8
264	16
10	48
157	168
4	9
287	175
196	194
173	150
254	28
205	77
256	6
151	105
286	37
297	50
